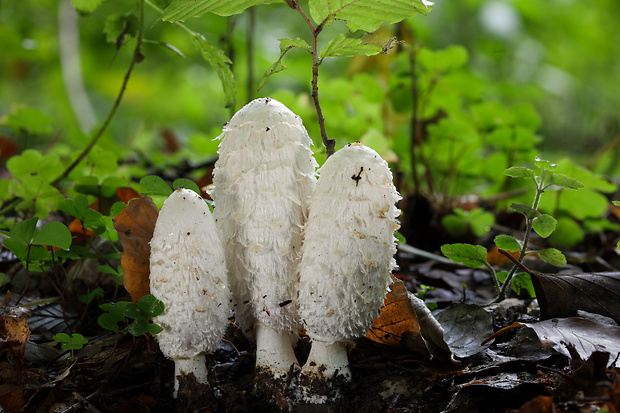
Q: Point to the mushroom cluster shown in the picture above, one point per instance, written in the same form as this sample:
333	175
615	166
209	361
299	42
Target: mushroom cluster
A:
288	251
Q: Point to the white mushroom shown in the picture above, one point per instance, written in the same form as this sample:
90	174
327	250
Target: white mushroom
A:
263	179
188	274
347	255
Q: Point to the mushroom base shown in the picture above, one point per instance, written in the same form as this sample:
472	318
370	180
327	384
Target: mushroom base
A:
327	360
274	352
197	366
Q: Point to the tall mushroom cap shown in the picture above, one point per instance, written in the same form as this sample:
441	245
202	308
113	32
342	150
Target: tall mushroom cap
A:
263	179
188	274
348	245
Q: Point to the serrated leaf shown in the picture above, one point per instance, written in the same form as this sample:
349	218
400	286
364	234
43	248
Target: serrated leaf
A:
473	256
54	234
544	225
565	181
350	44
544	165
526	210
519	172
180	10
285	45
367	15
552	256
120	27
508	243
221	63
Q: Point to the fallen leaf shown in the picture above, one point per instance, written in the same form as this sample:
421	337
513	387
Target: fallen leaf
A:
540	404
431	330
465	326
561	295
397	324
14	330
135	225
575	337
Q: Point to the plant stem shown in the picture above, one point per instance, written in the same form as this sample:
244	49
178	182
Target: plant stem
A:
529	221
137	58
330	144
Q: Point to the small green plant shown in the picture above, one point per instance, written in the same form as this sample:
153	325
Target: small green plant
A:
475	256
137	317
478	221
71	342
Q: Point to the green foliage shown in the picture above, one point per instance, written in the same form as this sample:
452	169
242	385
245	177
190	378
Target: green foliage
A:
477	220
137	317
87	298
475	255
74	342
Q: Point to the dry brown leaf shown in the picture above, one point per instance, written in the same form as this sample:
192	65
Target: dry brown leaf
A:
135	225
397	325
14	329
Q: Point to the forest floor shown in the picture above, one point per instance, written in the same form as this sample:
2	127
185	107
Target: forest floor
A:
120	373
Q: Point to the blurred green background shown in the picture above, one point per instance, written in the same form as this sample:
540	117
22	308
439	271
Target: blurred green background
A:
59	75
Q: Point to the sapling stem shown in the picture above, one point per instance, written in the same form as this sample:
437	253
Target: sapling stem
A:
529	221
330	144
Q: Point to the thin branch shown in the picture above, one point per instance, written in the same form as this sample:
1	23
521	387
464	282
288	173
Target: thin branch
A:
137	58
330	144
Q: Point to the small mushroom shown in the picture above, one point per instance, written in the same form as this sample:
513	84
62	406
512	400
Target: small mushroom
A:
188	274
347	256
263	179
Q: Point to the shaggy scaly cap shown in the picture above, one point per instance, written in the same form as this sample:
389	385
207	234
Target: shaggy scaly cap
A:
263	179
188	274
348	245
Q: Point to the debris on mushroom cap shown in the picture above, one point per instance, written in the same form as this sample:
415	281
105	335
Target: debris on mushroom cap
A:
348	245
188	274
262	183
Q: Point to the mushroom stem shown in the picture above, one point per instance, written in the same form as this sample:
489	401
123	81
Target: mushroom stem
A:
274	350
328	360
196	365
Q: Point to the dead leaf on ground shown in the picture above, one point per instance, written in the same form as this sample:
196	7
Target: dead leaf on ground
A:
465	326
135	225
561	295
397	325
14	331
570	336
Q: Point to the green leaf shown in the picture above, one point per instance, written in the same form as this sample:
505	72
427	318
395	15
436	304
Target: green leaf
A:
17	246
351	44
552	256
30	120
221	63
24	230
180	10
544	225
62	338
544	165
32	164
565	181
526	210
150	306
187	184
473	256
444	60
111	318
120	27
616	203
367	15
54	234
520	172
285	45
116	208
523	281
154	185
74	342
154	329
87	298
567	233
86	6
508	243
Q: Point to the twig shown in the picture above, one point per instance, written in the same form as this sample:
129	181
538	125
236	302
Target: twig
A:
137	58
330	144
